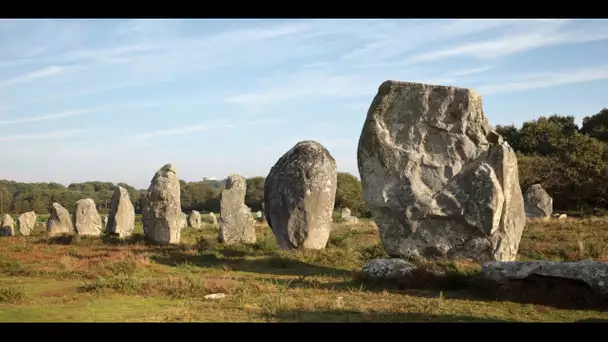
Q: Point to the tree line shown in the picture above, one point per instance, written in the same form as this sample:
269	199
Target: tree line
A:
16	197
570	162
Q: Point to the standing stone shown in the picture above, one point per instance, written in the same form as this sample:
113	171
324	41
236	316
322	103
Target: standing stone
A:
183	221
8	226
121	219
299	196
213	220
347	217
86	218
538	203
438	180
236	221
60	221
104	223
194	219
26	223
163	216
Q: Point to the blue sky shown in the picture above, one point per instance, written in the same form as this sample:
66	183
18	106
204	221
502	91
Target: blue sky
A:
114	100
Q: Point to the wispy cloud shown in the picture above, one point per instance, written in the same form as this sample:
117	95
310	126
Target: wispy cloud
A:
46	117
75	112
178	131
42	136
545	80
34	75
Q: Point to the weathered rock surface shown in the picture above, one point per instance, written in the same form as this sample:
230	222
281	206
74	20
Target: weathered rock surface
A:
593	273
194	219
87	220
60	221
236	221
163	216
438	180
7	228
26	223
299	196
213	220
387	269
538	203
345	214
121	219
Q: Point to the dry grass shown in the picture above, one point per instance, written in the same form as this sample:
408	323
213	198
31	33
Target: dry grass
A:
105	279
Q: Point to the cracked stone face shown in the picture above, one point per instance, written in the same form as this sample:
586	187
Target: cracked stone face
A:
439	182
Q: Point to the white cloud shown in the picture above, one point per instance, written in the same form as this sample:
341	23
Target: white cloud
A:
41	136
545	80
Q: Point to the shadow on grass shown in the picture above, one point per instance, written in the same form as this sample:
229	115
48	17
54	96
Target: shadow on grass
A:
355	316
233	259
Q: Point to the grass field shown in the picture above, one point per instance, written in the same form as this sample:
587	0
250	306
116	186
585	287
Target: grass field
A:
103	279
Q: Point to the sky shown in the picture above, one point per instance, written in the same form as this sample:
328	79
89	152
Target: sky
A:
114	100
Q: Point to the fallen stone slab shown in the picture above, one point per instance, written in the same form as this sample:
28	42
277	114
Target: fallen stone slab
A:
592	273
387	269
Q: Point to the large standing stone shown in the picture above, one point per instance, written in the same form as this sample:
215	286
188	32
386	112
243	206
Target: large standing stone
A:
299	196
163	215
438	180
26	223
236	221
194	219
7	228
538	203
60	221
86	218
121	219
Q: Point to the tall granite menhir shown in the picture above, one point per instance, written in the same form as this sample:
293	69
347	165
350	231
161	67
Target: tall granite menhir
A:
438	180
236	221
121	218
162	216
299	196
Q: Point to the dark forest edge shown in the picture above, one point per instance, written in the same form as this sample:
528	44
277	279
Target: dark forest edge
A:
570	162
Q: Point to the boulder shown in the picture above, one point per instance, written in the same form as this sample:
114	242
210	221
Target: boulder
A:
7	228
236	221
26	223
345	214
104	223
537	203
163	215
86	218
439	182
194	219
121	218
299	196
213	220
60	221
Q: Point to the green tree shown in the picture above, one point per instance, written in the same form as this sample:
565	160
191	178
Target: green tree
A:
349	194
255	193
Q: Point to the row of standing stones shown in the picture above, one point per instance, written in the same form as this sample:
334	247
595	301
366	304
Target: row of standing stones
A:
439	181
